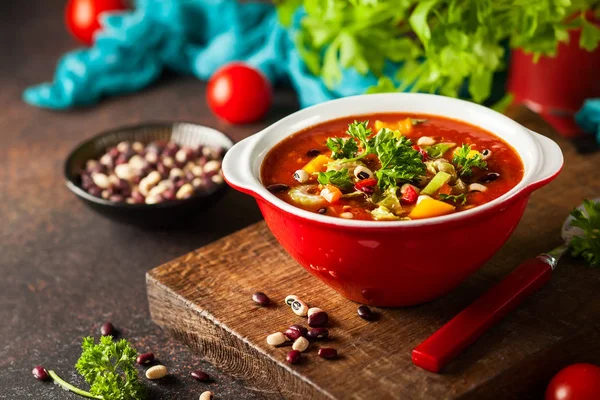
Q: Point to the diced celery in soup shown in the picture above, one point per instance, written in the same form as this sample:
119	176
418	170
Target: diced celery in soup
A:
391	167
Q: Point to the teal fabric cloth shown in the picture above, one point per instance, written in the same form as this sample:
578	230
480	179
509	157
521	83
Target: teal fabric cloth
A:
588	117
190	37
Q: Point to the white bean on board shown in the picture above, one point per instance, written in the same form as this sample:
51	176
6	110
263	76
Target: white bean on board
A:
276	339
299	308
300	344
289	299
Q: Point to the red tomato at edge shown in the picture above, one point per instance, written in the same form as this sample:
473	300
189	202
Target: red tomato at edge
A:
239	94
81	16
575	382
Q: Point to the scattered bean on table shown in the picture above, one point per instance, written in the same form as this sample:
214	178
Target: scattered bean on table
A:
145	358
156	372
365	313
318	333
261	299
295	331
200	376
327	352
206	395
300	344
299	308
318	319
40	373
107	329
293	357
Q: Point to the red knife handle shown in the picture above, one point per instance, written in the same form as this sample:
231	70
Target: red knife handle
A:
460	332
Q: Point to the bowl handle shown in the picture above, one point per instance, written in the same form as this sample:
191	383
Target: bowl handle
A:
237	166
551	162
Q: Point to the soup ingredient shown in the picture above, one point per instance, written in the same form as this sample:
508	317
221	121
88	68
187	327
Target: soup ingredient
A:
276	339
299	308
327	353
434	185
293	357
200	375
40	373
206	395
301	175
456	199
320	318
438	150
489	177
81	17
107	329
466	159
156	372
575	382
239	93
157	172
331	193
145	358
109	368
476	187
365	313
307	195
261	299
317	333
429	208
300	344
277	188
587	245
381	175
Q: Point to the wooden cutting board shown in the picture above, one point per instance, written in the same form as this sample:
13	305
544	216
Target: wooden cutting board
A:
204	299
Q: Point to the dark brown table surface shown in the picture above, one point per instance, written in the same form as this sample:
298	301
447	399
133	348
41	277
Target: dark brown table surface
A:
64	269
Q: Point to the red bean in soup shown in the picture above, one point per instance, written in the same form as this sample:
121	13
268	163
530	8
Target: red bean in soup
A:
448	166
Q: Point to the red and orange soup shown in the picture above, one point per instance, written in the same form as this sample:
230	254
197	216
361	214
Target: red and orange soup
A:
391	167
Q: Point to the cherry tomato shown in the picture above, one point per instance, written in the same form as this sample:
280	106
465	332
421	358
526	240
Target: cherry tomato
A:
81	16
239	94
575	382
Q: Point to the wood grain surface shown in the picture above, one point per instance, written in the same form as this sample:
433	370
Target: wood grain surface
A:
204	299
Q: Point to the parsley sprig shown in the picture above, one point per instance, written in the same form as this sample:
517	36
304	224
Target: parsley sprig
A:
109	368
465	161
587	245
399	161
340	178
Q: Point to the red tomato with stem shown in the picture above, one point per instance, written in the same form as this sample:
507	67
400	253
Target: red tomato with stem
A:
81	16
575	382
239	94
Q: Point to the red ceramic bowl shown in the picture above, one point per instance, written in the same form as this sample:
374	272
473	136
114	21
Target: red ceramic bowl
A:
399	263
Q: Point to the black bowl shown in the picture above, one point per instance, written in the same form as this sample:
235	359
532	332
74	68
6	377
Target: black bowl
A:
164	214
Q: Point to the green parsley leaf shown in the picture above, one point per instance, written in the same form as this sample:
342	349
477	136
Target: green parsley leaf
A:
590	35
456	199
588	245
465	163
340	178
109	367
439	149
361	132
342	148
399	161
